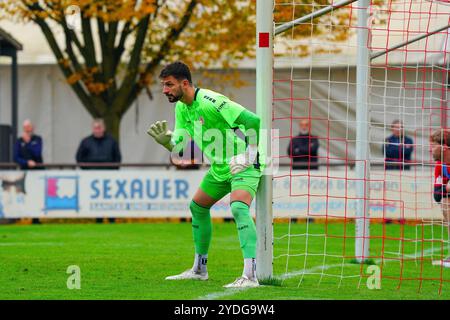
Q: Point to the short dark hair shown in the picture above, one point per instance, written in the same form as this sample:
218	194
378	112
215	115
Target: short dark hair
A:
178	70
396	122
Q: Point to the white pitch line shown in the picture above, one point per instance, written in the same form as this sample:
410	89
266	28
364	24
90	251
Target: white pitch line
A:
230	292
314	269
415	255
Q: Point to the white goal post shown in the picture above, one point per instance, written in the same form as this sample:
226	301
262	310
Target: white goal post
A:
264	98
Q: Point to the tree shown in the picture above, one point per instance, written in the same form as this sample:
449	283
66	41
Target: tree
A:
114	54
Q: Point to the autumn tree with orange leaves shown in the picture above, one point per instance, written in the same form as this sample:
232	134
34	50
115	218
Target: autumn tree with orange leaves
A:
113	52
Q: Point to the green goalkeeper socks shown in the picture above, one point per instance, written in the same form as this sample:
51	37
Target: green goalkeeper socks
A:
246	228
201	228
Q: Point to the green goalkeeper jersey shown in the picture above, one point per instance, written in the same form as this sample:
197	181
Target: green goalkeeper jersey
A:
210	121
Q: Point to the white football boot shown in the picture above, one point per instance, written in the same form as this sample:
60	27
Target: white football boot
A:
243	282
189	274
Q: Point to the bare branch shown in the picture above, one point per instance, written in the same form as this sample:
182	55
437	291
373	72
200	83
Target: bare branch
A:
133	65
88	42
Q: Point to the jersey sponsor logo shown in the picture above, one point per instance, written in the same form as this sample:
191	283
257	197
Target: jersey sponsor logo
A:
438	180
210	99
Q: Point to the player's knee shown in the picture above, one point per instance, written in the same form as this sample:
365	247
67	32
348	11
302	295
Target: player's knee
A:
198	211
239	210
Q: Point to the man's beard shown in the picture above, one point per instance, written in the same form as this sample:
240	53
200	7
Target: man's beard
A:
173	98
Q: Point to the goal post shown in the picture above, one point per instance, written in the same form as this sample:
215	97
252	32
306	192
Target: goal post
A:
362	134
264	98
286	26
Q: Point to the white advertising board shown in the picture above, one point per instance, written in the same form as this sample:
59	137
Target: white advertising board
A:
155	193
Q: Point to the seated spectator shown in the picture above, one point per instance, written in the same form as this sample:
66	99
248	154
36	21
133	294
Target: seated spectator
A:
99	147
398	148
303	148
28	148
189	158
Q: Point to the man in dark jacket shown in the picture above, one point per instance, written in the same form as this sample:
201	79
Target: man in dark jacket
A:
99	147
398	148
28	148
303	148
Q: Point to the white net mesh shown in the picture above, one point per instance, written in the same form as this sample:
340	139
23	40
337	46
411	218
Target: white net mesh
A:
315	88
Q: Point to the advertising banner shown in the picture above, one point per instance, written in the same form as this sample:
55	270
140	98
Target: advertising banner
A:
156	193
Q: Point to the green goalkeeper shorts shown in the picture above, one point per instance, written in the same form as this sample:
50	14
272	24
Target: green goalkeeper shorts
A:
247	180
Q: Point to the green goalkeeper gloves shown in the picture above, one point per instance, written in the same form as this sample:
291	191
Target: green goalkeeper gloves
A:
161	134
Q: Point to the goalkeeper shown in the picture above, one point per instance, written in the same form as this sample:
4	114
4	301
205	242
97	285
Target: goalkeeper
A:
211	119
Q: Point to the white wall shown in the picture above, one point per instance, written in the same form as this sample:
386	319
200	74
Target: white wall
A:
62	121
324	94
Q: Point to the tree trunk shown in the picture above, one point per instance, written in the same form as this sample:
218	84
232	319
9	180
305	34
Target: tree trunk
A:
112	122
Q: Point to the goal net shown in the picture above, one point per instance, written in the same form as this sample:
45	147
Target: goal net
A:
359	174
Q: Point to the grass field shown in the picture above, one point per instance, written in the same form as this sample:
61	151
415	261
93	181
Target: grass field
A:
130	261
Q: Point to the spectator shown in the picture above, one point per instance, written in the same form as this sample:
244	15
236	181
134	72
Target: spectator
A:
28	148
303	148
100	147
398	148
190	158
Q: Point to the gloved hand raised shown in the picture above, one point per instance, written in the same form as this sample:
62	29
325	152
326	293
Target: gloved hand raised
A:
161	134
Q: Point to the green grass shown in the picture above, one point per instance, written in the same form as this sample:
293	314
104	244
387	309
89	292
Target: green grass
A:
130	261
